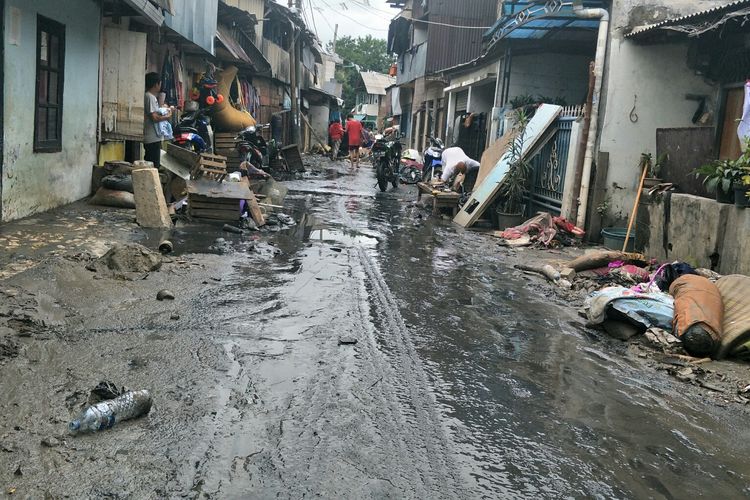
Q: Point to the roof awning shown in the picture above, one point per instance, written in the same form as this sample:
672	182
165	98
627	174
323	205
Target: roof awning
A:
233	47
698	23
150	12
553	20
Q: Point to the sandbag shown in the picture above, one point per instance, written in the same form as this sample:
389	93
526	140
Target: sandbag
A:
118	182
698	314
735	294
225	118
112	198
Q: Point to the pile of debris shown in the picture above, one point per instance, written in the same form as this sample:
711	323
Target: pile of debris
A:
543	230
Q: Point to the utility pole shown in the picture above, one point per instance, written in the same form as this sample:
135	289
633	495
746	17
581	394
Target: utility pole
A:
335	36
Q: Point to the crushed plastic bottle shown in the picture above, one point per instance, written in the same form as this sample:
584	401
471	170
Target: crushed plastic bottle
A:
103	415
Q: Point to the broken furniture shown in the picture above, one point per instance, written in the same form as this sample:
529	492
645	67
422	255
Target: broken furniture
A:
293	158
211	166
440	199
220	201
486	192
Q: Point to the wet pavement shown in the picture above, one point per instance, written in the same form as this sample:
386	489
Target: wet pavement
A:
368	352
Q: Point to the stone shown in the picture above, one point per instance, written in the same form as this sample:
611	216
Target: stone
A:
150	207
165	295
50	442
347	341
568	273
174	316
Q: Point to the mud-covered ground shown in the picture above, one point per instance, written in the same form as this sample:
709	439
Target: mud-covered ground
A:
368	352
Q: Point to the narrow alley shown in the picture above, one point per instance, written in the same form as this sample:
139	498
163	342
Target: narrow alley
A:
361	353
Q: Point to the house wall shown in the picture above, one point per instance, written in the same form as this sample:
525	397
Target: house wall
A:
482	98
35	182
551	75
318	117
657	78
654	79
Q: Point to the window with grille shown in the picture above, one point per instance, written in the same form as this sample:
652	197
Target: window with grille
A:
50	71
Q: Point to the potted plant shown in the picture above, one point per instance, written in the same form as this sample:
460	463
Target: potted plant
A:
515	182
653	168
742	192
719	177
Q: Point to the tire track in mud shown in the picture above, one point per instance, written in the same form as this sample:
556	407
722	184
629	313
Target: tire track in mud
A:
425	434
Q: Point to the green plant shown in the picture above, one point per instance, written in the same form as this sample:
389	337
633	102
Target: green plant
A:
603	209
514	184
723	174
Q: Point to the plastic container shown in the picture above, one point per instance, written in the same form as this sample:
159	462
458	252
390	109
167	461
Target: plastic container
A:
104	415
614	238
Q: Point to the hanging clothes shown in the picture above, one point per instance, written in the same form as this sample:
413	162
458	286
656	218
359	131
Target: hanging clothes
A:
179	77
168	81
743	130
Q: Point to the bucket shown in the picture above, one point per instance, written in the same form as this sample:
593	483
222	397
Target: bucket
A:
614	238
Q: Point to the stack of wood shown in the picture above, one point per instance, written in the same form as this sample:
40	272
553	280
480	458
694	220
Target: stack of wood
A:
209	200
224	144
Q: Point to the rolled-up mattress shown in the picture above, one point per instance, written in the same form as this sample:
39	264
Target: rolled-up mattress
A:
698	314
735	293
226	118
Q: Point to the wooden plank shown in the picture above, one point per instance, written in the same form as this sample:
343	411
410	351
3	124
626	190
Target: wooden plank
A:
215	214
485	193
210	163
492	155
255	212
213	157
211	189
183	155
215	206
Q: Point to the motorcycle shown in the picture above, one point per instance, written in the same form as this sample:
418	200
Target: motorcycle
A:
251	146
411	167
194	132
387	158
433	163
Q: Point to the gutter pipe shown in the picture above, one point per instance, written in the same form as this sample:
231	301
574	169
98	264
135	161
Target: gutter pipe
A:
601	53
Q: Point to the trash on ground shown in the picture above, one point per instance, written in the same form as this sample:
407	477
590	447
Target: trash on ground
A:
127	257
106	414
698	314
545	230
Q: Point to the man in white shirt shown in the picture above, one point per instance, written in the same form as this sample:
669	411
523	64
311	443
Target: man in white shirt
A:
456	162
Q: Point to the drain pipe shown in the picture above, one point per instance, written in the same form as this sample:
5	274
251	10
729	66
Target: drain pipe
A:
601	52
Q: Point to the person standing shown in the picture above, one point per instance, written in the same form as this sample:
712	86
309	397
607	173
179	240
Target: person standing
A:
336	131
354	136
151	134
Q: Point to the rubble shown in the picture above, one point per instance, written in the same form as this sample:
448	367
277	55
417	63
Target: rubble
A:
127	258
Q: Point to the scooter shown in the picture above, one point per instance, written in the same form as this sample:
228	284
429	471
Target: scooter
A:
251	146
194	132
433	163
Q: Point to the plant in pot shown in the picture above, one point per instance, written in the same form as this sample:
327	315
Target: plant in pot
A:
653	169
719	177
515	182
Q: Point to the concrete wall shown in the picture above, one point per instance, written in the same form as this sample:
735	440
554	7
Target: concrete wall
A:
551	75
656	79
700	232
482	98
319	120
34	182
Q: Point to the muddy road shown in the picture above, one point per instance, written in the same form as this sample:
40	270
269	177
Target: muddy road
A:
367	352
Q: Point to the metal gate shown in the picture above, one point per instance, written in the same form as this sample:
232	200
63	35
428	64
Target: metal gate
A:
548	169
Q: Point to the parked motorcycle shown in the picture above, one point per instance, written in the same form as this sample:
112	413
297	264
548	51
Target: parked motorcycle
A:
433	163
386	155
194	132
252	147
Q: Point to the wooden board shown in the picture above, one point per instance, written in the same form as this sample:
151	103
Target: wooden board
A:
212	189
492	155
486	192
122	111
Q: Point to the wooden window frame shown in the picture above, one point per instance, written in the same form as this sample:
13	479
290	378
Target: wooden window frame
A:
51	27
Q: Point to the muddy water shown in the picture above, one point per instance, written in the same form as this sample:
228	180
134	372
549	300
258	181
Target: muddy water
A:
533	404
464	382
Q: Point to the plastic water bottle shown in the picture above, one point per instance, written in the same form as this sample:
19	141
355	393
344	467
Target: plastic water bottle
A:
105	414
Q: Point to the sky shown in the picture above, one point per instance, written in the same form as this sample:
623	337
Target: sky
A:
354	17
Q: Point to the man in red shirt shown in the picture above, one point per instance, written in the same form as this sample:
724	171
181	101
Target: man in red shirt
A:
354	134
336	131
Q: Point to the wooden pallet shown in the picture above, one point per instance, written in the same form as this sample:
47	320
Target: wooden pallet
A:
211	166
293	158
203	207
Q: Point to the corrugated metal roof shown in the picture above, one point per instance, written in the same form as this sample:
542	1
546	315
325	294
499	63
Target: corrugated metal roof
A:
376	83
689	17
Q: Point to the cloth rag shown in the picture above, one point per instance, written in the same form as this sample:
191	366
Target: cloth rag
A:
697	302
